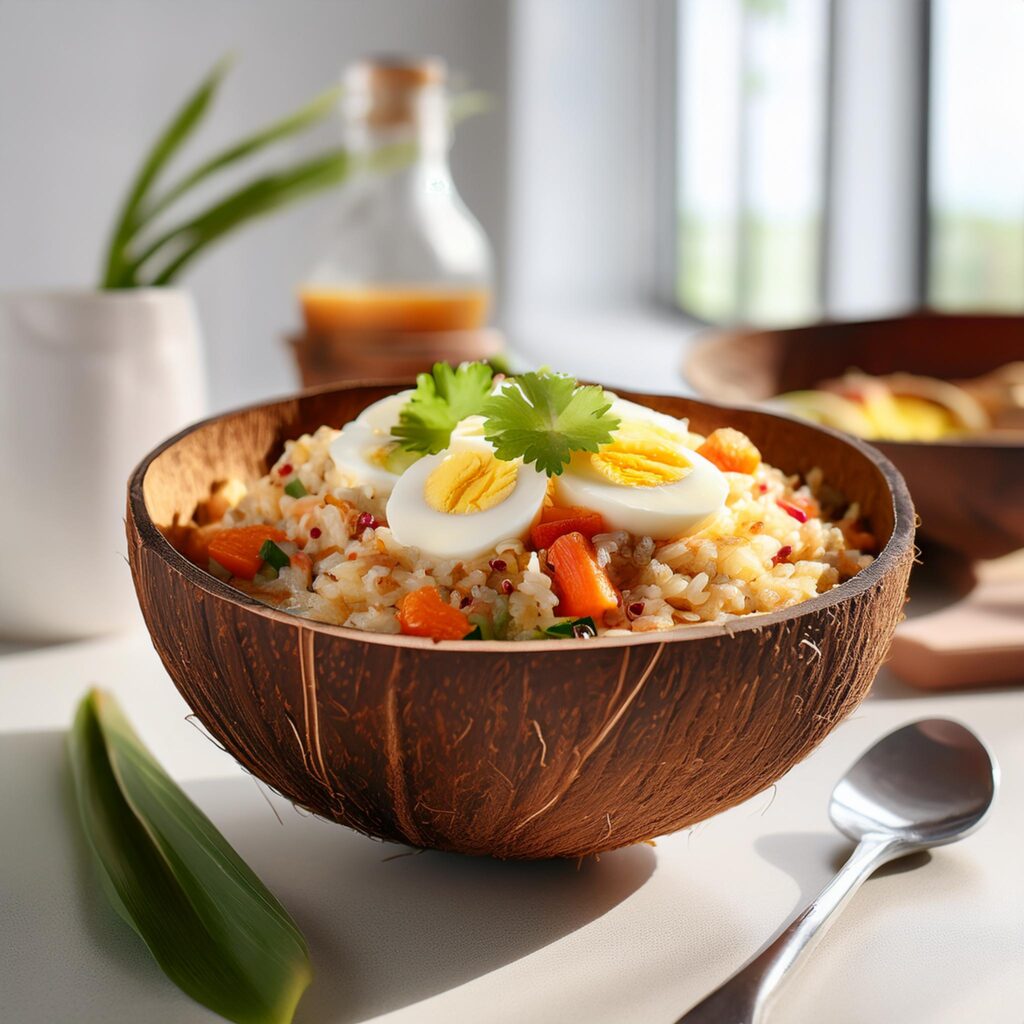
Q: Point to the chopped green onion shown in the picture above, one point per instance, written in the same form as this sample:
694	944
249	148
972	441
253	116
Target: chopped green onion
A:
483	626
273	555
474	634
295	489
581	628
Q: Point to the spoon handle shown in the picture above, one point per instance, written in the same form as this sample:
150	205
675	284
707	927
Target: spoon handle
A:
742	998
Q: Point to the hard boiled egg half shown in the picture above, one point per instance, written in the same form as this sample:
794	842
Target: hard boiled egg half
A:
461	502
366	453
646	480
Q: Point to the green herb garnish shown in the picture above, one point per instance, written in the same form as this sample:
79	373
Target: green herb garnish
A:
544	417
273	555
483	624
442	398
476	633
578	628
215	930
295	489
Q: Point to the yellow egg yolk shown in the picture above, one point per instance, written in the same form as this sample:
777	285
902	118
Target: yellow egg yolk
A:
641	455
469	481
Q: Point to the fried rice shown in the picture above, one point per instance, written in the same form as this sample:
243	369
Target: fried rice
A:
779	540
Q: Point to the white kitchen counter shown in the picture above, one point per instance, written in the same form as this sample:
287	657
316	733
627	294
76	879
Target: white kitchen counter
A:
635	937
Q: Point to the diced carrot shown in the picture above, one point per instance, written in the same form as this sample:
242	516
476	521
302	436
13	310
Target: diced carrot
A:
424	613
731	451
555	522
857	537
238	548
807	504
583	587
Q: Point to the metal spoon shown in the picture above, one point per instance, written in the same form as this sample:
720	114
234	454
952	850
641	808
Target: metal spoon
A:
927	784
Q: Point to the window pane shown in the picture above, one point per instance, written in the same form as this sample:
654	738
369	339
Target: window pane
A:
977	155
752	144
709	129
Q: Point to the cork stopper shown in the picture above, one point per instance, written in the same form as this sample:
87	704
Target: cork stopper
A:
387	89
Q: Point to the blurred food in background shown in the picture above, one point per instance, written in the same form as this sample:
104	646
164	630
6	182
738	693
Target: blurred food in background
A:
406	277
910	407
938	393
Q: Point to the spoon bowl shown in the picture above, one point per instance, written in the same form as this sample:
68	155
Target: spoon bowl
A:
930	783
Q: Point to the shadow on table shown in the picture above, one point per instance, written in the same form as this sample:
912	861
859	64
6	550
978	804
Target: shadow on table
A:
388	926
812	858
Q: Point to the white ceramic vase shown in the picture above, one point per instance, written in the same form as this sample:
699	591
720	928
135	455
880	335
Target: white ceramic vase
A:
89	382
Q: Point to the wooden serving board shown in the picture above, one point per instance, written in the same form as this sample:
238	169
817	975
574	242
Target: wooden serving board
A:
964	626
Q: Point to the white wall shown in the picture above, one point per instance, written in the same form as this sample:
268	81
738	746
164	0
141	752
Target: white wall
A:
85	85
587	103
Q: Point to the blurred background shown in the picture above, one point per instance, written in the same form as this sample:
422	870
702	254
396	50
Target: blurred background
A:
643	167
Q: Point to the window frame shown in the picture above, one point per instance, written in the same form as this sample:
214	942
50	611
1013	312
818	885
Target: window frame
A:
851	242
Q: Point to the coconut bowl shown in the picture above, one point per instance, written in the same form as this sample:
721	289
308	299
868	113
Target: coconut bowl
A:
511	749
969	492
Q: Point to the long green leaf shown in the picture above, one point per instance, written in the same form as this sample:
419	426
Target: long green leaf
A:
249	202
290	125
256	199
174	135
215	930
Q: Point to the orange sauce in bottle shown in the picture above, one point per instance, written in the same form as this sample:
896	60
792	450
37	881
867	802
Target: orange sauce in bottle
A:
329	310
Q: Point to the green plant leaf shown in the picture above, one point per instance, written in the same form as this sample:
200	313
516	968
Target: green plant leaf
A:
259	197
174	135
215	930
294	123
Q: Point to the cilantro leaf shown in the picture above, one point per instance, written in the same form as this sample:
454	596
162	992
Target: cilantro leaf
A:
544	417
442	398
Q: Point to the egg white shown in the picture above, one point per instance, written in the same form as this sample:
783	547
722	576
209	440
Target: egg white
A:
383	415
663	512
447	535
354	449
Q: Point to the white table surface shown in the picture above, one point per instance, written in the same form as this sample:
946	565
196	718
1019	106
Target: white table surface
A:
636	937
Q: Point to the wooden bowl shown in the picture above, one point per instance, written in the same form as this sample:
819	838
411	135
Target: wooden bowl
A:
969	493
511	749
387	355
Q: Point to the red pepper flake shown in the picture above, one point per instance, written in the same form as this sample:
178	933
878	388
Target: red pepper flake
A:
498	564
797	513
466	602
782	554
315	532
366	521
507	587
635	610
287	469
762	487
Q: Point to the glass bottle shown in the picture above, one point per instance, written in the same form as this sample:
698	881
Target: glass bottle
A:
406	254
